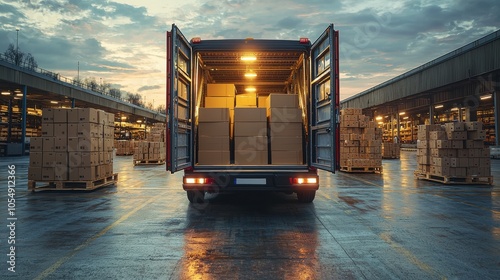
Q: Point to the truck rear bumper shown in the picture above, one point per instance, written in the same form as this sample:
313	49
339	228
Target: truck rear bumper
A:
251	180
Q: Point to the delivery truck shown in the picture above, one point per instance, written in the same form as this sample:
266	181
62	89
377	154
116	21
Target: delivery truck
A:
252	114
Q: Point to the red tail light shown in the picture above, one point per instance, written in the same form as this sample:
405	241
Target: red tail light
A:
304	40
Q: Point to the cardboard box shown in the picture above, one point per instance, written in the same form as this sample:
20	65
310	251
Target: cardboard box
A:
209	115
47	129
443	144
87	173
61	173
292	115
249	115
47	115
285	129
454	126
217	129
36	144
262	101
73	174
437	135
61	158
221	90
286	143
246	100
213	143
441	161
60	129
36	159
73	115
249	157
219	102
250	129
87	115
48	173
279	100
72	129
48	144
457	135
286	157
421	144
473	126
73	144
60	115
251	143
476	135
35	173
457	144
60	144
440	170
213	157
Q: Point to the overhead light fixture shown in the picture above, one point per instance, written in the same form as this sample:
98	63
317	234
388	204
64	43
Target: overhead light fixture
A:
250	74
250	89
139	121
380	122
19	94
402	113
124	118
5	93
54	102
405	118
484	97
248	58
386	117
379	118
454	109
439	106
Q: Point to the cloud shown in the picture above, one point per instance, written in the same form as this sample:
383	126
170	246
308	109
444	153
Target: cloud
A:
147	88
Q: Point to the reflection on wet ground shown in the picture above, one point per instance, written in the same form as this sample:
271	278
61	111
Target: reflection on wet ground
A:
361	226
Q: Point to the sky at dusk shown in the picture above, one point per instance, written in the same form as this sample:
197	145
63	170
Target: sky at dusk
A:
122	42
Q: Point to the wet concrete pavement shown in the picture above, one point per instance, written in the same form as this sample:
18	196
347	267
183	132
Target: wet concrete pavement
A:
360	226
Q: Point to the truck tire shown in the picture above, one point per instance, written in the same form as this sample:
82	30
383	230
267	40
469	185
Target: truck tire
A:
196	196
306	196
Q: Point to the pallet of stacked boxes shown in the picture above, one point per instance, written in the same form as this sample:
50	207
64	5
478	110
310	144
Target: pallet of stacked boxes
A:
285	129
214	136
75	151
124	147
152	150
391	150
360	143
453	153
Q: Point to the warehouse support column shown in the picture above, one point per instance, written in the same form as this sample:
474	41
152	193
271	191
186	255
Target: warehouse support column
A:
23	124
470	114
431	110
496	103
398	123
73	103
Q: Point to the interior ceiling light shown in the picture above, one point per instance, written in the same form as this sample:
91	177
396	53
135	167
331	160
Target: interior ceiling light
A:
5	93
439	106
250	74
402	113
19	94
248	58
378	118
54	102
484	97
250	89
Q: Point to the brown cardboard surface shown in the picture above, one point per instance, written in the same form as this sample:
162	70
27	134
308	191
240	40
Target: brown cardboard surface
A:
35	173
262	101
48	173
36	159
213	157
47	115
250	129
248	157
47	129
48	144
219	102
209	115
250	115
61	158
60	144
87	173
250	143
285	129
351	111
286	157
213	143
221	90
87	115
246	100
285	143
73	115
291	115
279	100
36	144
219	129
60	115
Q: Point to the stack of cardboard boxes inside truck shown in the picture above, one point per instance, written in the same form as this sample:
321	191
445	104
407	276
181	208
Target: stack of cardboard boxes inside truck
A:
76	145
360	142
239	134
453	150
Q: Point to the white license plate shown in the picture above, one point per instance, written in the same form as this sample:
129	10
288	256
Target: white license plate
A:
250	181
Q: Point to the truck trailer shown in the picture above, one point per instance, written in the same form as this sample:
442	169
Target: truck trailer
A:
252	114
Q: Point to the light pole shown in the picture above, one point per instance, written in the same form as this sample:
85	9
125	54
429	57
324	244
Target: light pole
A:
17	46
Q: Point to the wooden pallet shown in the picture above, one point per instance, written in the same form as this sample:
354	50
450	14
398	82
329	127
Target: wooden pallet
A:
351	169
468	180
125	154
390	157
71	185
149	162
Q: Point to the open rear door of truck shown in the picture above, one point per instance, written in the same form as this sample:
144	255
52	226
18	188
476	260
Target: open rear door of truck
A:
324	140
179	101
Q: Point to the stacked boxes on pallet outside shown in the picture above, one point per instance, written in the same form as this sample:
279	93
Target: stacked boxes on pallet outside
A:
124	147
250	136
152	150
213	136
454	149
360	141
285	128
76	145
391	150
